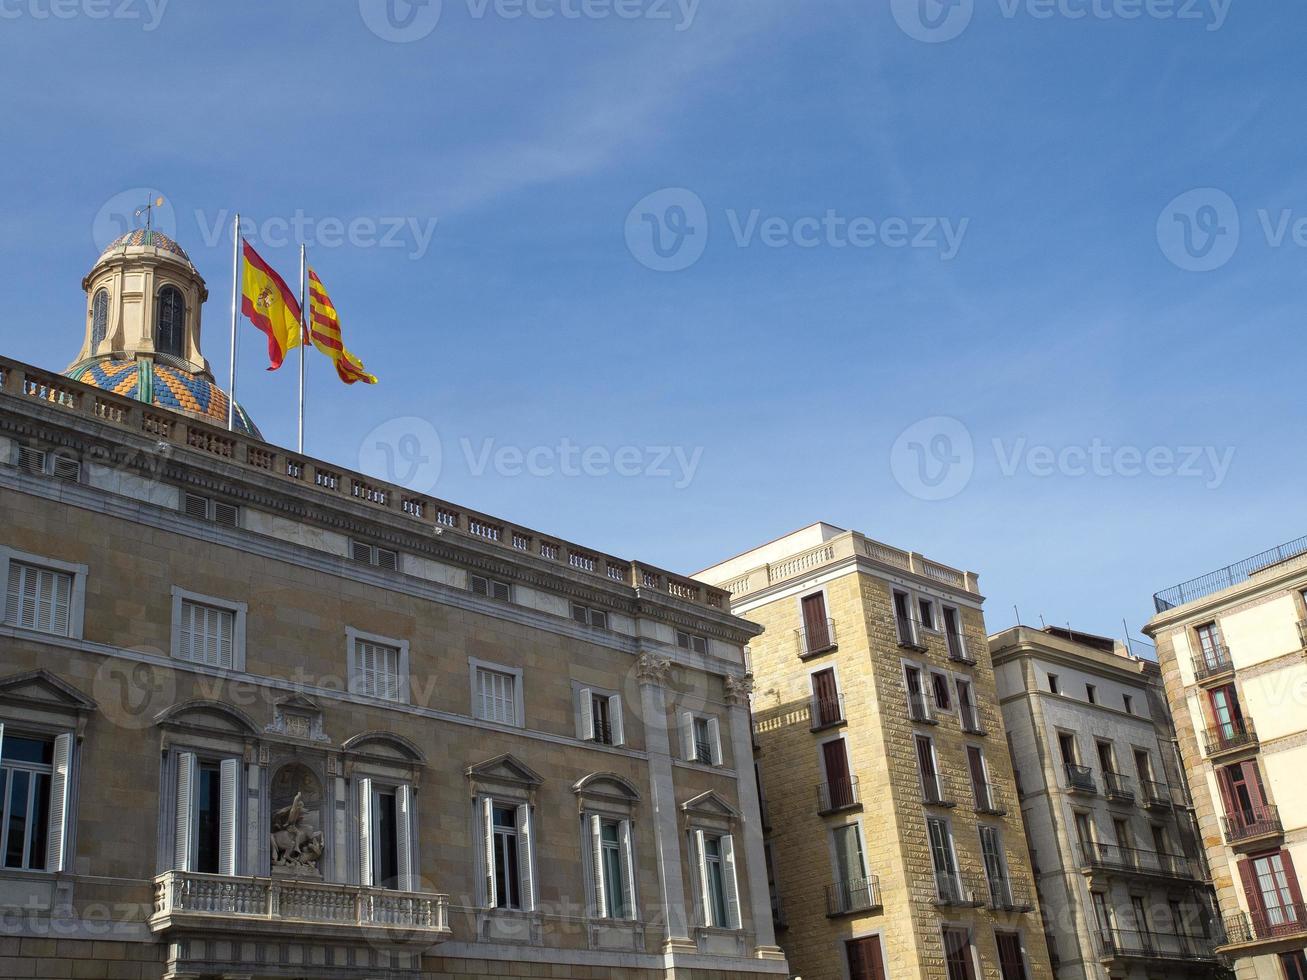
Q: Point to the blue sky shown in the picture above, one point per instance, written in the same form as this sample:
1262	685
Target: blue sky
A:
1066	316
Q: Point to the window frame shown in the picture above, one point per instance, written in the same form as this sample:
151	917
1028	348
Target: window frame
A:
76	594
688	722
475	666
585	724
157	337
99	319
353	675
239	609
60	794
490	585
524	835
591	613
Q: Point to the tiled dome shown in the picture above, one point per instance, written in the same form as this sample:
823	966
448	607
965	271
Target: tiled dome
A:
163	385
140	238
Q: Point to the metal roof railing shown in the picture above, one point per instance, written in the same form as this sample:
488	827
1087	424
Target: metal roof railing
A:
1225	577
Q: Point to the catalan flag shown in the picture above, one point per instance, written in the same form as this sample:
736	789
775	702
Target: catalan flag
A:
324	331
270	305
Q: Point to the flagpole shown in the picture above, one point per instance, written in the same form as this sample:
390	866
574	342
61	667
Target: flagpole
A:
235	292
304	341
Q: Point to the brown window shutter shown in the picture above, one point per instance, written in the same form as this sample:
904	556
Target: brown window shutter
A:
1251	891
1292	877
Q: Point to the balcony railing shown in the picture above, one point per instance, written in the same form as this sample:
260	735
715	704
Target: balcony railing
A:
970	719
932	792
1131	944
1244	825
922	708
959	889
1280	923
1112	857
603	732
1228	738
1155	795
854	895
1117	786
827	711
184	899
958	650
838	794
1212	663
909	632
1010	894
987	799
1080	778
816	640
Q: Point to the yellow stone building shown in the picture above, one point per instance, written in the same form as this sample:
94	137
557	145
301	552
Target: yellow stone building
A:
895	843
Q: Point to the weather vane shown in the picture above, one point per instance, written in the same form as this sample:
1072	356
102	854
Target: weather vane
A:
147	209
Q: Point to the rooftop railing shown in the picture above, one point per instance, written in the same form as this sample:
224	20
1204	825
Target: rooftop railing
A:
1225	577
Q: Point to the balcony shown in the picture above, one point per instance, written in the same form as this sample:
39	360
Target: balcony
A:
909	633
921	708
1247	828
837	795
1134	862
1117	787
853	896
1237	736
932	793
958	650
970	719
185	900
827	712
1010	895
818	639
959	890
1286	922
987	800
1079	779
1155	946
1213	665
1155	795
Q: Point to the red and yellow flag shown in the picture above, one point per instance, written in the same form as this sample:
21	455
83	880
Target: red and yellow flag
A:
270	305
324	331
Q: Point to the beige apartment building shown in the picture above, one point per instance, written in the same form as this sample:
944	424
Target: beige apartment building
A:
1118	864
262	716
1231	644
894	843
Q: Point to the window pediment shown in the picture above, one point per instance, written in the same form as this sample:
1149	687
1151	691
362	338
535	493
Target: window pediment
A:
505	771
607	785
710	805
385	746
209	716
41	689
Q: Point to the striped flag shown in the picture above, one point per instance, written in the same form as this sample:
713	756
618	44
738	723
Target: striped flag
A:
324	331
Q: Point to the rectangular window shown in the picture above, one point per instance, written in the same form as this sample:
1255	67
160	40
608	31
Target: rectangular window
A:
1143	766
215	511
590	617
496	696
1121	830
941	848
719	894
1085	833
701	739
385	821
1276	892
39	598
927	610
866	962
507	876
958	955
1210	647
1091	694
207	634
1066	743
366	554
967	708
376	670
903	621
957	642
1053	686
839	783
26	772
491	588
816	625
826	707
689	641
600	717
208	815
979	779
939	685
1226	712
1294	965
1011	963
614	885
991	852
850	865
1128	703
930	788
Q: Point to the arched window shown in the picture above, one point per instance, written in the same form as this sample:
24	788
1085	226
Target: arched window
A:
170	322
99	318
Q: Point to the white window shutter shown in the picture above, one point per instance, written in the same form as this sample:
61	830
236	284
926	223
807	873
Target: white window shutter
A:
229	789
597	860
488	841
525	857
687	736
701	864
14	593
57	834
615	719
183	831
715	740
587	714
730	885
404	835
628	869
365	832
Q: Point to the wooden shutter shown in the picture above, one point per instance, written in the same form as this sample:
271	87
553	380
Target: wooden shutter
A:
865	960
715	740
587	714
404	827
365	831
1253	893
687	736
1010	960
597	858
525	856
1292	878
615	719
814	621
628	868
229	789
701	864
488	844
13	594
183	829
57	835
837	772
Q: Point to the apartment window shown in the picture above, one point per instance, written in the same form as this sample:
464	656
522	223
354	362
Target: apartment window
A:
941	855
367	554
39	599
701	739
718	890
378	667
600	717
926	608
506	830
1226	712
1121	830
907	628
496	693
1128	703
1294	965
939	686
1209	646
1102	914
826	707
980	788
1091	694
207	815
1271	888
612	866
919	707
816	625
1084	832
1106	757
839	782
1011	961
1066	743
1242	792
967	708
214	511
1142	924
930	787
34	788
866	960
492	588
1143	766
958	954
850	868
991	852
1053	686
689	641
590	617
1160	844
386	834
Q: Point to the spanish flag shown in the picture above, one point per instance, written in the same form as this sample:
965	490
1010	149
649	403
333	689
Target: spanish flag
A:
270	305
324	331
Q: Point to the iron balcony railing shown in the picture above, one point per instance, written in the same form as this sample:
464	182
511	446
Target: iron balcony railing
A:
959	888
932	791
1147	945
1225	577
1155	794
958	651
827	711
603	732
987	799
1010	894
1278	923
1113	857
1080	778
909	632
1212	662
970	718
1261	821
837	794
819	639
921	708
854	895
1229	737
1117	786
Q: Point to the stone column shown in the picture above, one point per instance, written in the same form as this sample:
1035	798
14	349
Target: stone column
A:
652	673
738	690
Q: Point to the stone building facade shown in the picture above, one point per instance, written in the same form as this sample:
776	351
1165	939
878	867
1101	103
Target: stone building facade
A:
894	840
1231	644
1119	868
265	717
